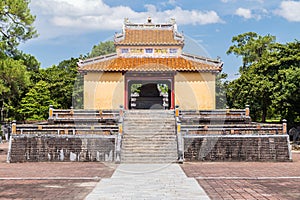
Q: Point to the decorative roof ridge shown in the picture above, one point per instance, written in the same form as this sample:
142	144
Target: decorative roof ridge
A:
197	58
97	59
149	25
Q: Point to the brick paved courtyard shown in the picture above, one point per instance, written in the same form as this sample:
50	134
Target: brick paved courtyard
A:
248	180
221	180
49	180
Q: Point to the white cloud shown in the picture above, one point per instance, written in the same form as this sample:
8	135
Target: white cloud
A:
289	10
243	12
64	17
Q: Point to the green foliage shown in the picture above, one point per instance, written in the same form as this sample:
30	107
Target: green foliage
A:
102	48
77	98
251	47
16	24
14	82
32	65
61	80
136	88
221	85
35	105
286	91
270	83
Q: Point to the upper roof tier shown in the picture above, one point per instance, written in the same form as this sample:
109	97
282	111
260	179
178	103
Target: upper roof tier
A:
145	34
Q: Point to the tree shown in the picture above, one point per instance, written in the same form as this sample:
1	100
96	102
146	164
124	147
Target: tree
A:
285	59
61	80
251	47
14	83
102	48
35	105
251	88
270	83
32	65
16	24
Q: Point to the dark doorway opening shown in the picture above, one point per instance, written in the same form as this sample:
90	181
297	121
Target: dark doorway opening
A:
149	94
144	90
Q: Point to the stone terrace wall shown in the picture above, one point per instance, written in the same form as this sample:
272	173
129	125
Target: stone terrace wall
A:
237	148
38	148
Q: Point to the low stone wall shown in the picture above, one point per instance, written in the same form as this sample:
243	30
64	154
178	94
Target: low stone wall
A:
57	148
237	148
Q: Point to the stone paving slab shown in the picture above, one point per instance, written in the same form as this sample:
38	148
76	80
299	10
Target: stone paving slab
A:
148	181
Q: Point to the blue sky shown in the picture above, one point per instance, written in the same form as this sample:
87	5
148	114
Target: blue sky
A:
69	28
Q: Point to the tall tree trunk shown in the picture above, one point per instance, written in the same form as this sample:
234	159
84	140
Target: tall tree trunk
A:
264	113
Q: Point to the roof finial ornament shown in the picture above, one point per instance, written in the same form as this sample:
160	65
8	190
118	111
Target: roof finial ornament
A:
126	20
173	21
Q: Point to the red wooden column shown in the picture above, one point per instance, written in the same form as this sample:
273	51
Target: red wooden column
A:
172	99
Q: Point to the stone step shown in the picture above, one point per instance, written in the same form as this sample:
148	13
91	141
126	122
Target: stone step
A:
148	136
150	149
142	124
138	126
147	144
146	159
158	161
141	156
149	116
146	150
149	129
131	140
149	112
149	132
149	157
148	154
158	145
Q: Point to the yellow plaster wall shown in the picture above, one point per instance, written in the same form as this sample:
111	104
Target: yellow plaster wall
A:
195	91
103	90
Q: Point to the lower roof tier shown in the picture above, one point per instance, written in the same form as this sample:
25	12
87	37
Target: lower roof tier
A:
112	63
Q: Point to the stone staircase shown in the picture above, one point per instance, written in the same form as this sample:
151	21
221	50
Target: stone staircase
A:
149	137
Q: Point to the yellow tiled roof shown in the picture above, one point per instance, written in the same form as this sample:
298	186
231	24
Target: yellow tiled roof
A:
148	37
148	64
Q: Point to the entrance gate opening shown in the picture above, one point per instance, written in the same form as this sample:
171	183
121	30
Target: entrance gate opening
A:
149	91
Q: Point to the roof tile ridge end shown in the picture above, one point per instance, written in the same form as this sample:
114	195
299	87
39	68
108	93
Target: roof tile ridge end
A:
97	59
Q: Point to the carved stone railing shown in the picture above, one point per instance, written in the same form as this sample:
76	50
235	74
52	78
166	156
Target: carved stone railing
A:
82	115
225	121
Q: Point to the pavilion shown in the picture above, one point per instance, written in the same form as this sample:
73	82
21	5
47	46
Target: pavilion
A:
149	70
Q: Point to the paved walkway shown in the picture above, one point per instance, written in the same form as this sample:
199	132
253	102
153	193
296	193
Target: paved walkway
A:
148	181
